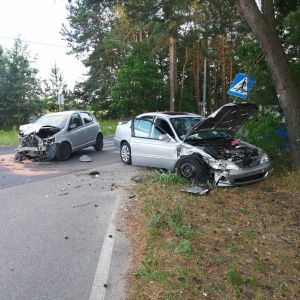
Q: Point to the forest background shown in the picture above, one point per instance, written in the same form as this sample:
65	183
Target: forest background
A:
156	56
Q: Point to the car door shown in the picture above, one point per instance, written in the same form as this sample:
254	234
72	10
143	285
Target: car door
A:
76	131
151	145
91	128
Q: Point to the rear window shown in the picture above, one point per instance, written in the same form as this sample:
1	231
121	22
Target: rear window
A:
86	117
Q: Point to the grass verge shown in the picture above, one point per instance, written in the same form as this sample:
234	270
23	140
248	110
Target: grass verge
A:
9	137
234	243
108	127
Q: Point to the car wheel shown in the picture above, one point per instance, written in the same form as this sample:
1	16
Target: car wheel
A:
125	153
189	167
19	156
63	151
99	142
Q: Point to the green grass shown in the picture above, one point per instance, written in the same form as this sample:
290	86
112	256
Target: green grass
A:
108	127
9	137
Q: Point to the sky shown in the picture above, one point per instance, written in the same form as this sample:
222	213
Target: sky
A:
38	22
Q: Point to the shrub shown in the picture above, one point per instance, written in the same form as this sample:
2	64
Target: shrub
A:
268	133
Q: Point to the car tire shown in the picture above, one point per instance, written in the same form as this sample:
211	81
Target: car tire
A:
99	142
63	151
125	153
190	167
19	156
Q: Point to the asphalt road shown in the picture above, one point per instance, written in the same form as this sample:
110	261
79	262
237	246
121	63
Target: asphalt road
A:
61	231
14	173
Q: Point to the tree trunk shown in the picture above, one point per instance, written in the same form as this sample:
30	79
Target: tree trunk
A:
284	80
182	76
173	77
216	94
196	71
223	70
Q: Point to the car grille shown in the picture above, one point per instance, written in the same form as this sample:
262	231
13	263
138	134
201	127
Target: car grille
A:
250	178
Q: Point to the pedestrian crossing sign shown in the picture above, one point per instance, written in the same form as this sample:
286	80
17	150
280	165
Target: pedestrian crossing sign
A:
241	86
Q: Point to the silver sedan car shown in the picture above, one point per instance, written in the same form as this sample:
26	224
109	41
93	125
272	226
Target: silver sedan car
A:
197	148
57	135
152	139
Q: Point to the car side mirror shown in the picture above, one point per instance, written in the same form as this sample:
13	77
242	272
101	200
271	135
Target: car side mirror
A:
165	138
72	126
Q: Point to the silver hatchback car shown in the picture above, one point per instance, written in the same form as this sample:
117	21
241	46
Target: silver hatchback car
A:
57	135
200	149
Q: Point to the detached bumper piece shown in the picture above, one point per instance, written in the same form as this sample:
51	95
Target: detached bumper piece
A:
196	190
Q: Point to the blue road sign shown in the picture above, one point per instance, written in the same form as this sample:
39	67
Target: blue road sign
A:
241	86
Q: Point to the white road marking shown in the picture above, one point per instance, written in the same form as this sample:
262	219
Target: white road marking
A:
100	281
109	145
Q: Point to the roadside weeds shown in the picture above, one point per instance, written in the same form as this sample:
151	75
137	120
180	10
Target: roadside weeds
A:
234	243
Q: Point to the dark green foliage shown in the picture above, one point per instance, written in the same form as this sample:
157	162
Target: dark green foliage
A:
125	45
22	97
19	88
138	86
263	131
292	27
96	34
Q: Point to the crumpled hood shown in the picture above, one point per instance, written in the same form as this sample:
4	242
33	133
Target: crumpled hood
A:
30	128
229	117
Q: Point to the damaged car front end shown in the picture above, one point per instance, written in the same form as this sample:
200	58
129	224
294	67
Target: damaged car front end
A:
236	163
222	159
37	142
57	135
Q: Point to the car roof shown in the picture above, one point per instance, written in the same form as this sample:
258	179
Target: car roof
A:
66	112
170	114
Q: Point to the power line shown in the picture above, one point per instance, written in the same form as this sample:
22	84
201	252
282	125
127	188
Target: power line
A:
31	42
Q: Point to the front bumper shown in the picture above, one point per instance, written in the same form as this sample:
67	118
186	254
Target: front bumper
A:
44	151
243	176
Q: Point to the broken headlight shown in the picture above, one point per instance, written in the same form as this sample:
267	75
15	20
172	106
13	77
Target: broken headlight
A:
49	141
222	165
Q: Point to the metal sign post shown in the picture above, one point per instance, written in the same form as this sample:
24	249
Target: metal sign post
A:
60	100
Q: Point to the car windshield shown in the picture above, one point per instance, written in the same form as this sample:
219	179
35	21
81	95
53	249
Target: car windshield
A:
183	125
208	135
52	120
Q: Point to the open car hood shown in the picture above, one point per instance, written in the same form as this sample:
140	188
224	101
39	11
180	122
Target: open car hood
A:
42	131
30	128
229	117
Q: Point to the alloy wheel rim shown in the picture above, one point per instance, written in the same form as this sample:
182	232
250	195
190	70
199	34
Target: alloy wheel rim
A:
125	153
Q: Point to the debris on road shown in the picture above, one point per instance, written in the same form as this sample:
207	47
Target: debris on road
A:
196	190
85	158
94	173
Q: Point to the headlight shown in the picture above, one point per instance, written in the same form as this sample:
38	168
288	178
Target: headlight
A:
263	158
221	165
232	166
49	141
